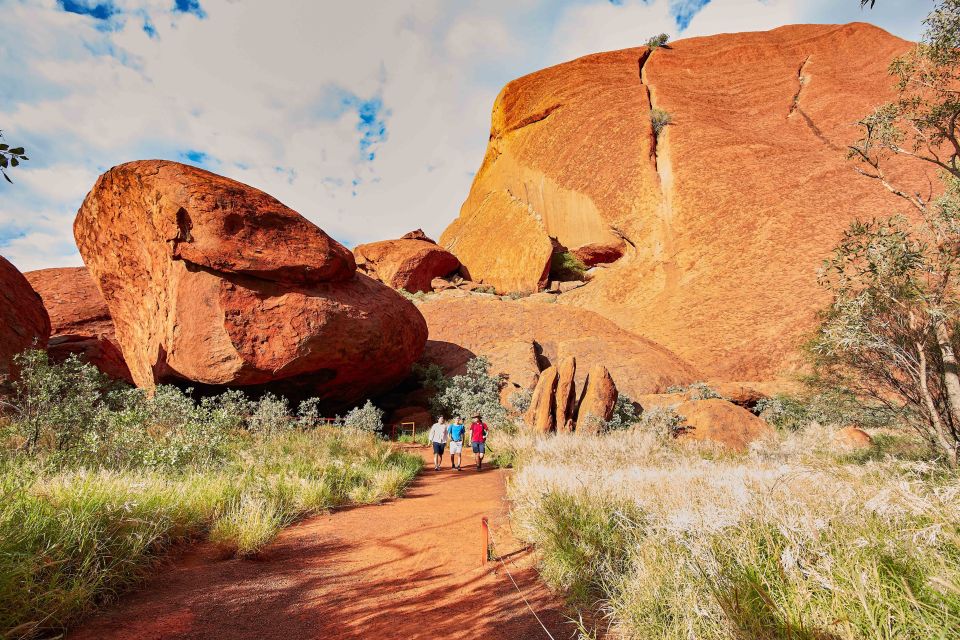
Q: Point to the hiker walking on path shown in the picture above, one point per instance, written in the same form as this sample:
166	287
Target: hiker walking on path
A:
438	436
456	431
478	438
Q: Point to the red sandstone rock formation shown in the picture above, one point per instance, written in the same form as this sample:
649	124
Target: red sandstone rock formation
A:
852	438
541	415
521	337
408	263
79	318
211	281
723	217
598	400
566	394
722	422
417	234
24	322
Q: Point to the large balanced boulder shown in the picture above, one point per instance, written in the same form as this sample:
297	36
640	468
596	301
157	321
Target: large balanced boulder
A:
522	337
24	322
721	422
80	322
408	263
722	217
213	282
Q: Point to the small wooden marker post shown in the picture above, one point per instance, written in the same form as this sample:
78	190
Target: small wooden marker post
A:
484	541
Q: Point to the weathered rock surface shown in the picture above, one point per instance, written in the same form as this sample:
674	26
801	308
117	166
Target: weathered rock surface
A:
723	218
24	322
79	319
598	400
566	394
521	337
722	422
852	438
408	263
213	282
542	411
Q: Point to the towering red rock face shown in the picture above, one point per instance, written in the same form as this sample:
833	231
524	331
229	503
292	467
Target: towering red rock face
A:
80	322
213	282
24	322
723	218
523	337
408	263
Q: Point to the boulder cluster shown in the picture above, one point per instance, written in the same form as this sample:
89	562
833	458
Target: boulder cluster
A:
556	406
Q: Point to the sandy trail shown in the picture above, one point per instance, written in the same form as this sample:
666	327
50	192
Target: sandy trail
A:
406	569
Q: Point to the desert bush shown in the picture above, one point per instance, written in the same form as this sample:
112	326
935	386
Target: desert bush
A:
308	413
475	392
520	400
655	42
791	542
624	414
565	266
270	414
660	119
833	407
663	422
367	418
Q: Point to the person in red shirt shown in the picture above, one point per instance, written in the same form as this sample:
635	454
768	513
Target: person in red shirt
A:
478	437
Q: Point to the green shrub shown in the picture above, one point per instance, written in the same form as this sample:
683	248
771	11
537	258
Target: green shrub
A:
366	418
565	266
270	414
664	422
474	393
830	407
521	399
660	119
658	41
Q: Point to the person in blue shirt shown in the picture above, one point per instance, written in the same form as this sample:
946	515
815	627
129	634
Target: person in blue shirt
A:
456	431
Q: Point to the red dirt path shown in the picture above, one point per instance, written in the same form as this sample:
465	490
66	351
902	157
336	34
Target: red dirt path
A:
405	569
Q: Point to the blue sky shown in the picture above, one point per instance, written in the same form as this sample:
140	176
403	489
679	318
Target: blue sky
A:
369	117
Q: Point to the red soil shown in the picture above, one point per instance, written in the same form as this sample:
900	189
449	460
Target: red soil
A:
409	568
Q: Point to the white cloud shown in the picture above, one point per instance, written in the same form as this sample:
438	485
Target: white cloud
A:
272	94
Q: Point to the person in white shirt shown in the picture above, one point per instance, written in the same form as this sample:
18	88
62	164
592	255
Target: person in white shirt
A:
438	436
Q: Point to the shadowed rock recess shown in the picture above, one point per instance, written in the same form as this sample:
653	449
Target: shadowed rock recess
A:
212	282
706	235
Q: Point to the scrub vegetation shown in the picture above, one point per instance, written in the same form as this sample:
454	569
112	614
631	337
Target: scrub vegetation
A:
796	539
98	481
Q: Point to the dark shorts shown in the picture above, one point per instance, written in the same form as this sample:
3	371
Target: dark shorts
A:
438	447
477	447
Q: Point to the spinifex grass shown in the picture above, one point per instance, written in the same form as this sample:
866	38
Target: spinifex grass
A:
72	538
794	541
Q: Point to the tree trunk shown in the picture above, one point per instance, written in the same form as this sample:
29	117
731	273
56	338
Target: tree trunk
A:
951	374
940	430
